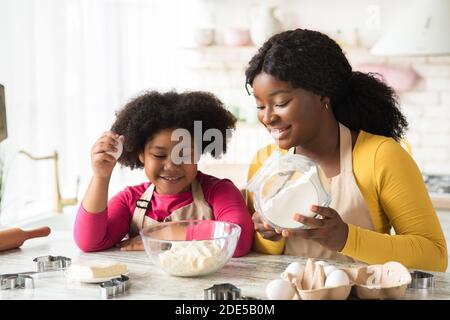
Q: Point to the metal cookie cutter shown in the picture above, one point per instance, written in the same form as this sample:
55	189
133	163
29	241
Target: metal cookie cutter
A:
114	287
23	280
249	298
421	280
223	291
16	281
50	263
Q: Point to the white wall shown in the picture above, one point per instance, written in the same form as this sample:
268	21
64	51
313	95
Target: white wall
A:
67	66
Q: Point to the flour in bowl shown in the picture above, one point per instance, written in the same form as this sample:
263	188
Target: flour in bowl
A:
192	258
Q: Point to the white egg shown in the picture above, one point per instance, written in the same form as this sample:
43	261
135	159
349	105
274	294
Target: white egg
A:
294	268
280	289
337	278
329	269
118	153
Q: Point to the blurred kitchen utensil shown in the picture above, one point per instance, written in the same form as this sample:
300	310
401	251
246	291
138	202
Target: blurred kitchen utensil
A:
15	237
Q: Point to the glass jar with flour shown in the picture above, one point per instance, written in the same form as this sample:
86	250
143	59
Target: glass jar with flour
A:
285	185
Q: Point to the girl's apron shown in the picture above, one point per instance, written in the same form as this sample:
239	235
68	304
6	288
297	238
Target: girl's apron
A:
346	199
198	209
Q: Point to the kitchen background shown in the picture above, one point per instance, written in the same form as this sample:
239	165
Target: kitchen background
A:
68	65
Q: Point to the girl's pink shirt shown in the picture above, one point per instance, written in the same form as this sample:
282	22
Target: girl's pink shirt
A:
100	231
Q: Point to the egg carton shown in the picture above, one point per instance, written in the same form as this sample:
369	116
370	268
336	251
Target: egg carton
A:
318	281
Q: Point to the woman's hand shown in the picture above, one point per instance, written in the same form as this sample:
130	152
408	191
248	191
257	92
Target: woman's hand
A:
264	229
331	232
102	162
132	244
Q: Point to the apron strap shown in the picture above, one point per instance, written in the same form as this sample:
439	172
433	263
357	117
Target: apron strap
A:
197	193
142	204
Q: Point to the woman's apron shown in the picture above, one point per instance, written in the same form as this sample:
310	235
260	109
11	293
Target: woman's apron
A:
346	199
198	209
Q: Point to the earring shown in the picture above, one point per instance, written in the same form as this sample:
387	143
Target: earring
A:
326	105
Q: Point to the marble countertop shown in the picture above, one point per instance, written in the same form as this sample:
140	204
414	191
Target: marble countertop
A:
251	273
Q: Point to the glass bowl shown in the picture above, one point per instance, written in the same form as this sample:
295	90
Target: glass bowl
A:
285	185
190	248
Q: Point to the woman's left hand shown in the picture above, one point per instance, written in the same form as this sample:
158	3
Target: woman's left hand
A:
132	244
331	231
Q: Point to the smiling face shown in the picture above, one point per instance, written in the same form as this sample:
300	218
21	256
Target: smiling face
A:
167	176
292	116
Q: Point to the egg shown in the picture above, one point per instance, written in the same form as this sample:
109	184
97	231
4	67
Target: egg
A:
117	153
295	268
329	269
337	278
280	289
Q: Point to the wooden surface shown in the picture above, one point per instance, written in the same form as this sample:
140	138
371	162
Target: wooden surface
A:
250	273
440	201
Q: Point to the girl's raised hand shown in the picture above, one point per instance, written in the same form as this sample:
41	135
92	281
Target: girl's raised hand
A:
102	162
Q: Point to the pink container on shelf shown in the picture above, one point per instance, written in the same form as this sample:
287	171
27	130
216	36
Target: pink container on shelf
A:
236	37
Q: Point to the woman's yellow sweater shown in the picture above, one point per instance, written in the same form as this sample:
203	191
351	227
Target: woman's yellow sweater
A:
396	196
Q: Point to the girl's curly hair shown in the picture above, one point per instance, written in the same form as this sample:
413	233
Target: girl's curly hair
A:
151	112
311	60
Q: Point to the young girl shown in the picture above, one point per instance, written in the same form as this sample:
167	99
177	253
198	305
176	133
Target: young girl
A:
176	190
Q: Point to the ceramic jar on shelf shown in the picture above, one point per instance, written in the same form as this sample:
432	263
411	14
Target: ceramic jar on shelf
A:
263	24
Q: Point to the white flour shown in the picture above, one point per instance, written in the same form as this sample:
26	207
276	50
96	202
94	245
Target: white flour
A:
295	198
192	258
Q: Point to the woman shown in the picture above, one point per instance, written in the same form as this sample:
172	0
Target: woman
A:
313	104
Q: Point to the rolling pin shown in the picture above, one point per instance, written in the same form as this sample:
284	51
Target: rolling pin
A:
15	237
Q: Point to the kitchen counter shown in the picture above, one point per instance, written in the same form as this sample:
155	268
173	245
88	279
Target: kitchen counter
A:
250	273
440	201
